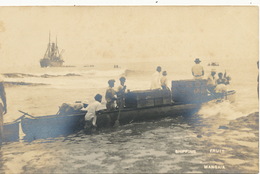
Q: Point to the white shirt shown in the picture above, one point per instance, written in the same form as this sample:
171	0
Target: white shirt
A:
92	108
211	81
197	70
164	81
155	83
221	88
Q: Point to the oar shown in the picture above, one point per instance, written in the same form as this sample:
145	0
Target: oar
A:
117	124
26	114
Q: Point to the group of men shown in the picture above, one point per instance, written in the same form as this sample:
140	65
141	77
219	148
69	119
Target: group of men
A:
158	81
111	97
116	98
214	85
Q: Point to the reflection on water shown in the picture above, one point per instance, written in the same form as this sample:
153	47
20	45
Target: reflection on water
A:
172	145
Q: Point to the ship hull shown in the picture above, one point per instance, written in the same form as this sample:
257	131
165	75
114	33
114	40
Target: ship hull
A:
49	63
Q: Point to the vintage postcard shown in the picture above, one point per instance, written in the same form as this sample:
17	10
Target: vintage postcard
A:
129	89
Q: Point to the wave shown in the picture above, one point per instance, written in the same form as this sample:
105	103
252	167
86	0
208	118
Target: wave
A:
11	84
22	75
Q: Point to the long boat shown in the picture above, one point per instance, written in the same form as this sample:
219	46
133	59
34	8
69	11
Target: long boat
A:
142	106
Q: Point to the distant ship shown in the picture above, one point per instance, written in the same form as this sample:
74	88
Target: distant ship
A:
52	56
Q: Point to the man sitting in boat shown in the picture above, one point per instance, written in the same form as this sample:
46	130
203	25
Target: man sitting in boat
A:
197	70
221	83
211	81
91	117
121	93
164	81
110	95
155	83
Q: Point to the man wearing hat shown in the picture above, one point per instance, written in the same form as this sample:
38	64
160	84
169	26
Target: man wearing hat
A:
121	93
110	95
197	70
3	107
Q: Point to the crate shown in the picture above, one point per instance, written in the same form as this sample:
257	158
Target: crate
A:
158	101
145	103
189	91
147	98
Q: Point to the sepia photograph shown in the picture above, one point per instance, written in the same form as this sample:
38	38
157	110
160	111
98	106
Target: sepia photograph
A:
129	89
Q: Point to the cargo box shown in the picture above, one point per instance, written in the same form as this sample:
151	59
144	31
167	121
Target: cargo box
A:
189	91
147	98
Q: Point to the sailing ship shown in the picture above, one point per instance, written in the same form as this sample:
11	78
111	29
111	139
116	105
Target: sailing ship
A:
52	56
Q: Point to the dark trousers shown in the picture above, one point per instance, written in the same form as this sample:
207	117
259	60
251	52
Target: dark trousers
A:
89	128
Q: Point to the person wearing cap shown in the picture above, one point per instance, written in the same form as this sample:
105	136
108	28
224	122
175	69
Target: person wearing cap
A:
110	95
3	107
211	81
155	83
91	117
197	70
121	93
164	81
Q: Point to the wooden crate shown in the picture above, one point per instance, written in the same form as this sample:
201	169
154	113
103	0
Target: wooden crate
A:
145	103
189	91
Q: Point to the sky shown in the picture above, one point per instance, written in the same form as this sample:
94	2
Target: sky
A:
130	34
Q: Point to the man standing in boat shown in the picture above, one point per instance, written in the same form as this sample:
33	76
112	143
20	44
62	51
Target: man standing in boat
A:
197	70
3	108
155	83
121	93
164	81
91	117
110	95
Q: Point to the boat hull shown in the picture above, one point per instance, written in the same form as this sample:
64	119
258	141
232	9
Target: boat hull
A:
55	125
51	126
50	63
61	125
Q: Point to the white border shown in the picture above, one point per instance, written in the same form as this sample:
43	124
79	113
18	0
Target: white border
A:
124	2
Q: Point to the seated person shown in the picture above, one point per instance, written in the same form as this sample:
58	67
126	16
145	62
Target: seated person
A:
221	83
221	80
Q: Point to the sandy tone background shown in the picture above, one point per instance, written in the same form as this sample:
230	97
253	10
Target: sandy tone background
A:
94	34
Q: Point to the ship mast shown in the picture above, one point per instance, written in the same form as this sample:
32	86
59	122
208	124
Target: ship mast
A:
57	50
49	47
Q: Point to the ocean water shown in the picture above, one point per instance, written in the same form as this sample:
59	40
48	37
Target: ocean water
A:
169	145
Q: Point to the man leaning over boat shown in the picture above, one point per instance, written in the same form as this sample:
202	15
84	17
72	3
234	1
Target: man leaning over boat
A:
91	117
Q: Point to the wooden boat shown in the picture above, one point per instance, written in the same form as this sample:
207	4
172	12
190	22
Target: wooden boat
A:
144	109
10	132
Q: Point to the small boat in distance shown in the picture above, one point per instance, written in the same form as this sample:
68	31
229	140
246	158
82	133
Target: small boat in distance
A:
52	56
213	64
